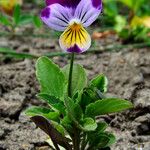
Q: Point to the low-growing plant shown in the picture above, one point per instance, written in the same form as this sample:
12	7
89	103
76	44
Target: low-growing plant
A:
18	19
73	101
133	23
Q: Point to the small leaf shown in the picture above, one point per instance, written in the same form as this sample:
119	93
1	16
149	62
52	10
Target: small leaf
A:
51	78
101	140
59	127
49	99
48	128
88	96
74	110
89	124
54	102
120	23
106	106
100	82
16	14
4	20
67	124
49	114
25	19
101	127
111	8
37	21
79	78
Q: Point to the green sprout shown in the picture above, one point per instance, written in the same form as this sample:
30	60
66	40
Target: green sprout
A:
18	19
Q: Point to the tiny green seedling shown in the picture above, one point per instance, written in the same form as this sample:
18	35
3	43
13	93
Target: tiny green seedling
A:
19	19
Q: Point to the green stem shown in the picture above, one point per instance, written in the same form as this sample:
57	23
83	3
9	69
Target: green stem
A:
76	135
70	75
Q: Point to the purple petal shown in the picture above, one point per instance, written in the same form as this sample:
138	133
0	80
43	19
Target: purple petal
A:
97	4
56	16
67	3
74	49
88	11
45	12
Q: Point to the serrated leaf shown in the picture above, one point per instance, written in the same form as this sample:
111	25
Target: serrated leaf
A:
49	99
79	78
107	106
54	102
100	82
88	96
51	78
49	114
74	110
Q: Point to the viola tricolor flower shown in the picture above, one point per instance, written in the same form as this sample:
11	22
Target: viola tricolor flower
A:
72	17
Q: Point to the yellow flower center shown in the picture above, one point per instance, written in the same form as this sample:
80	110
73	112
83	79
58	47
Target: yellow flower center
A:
75	34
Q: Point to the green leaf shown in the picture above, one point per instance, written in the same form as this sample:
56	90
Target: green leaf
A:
54	134
51	78
67	123
128	3
4	20
120	23
59	127
37	21
49	99
16	14
90	95
111	8
79	78
101	127
101	140
74	110
106	106
100	82
54	102
89	124
133	5
25	19
49	114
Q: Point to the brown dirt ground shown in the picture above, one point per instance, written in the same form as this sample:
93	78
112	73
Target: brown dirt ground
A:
128	72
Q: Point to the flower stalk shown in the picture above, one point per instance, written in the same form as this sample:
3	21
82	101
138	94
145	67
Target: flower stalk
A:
70	75
76	140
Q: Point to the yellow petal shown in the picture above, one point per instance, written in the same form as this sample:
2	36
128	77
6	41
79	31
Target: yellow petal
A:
7	6
145	21
75	39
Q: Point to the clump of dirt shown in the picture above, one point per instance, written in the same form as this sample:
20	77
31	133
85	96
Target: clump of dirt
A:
128	72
